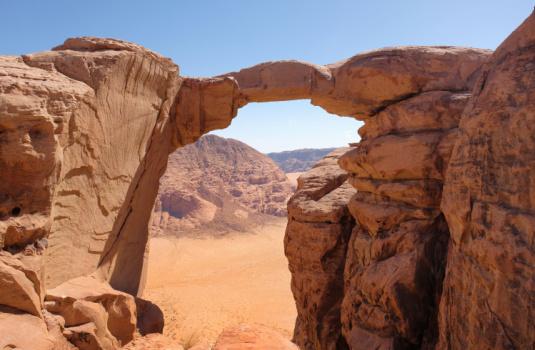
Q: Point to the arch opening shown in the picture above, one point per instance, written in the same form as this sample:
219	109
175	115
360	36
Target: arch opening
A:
226	262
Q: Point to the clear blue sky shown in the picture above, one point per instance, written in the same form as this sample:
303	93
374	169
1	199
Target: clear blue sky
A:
213	37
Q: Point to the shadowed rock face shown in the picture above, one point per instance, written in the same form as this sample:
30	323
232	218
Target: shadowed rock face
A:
86	130
488	201
396	255
319	227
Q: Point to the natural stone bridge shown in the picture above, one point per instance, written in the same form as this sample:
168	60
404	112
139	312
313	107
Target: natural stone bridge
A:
86	129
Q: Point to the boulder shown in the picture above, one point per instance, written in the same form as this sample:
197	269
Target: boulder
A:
20	287
87	300
150	318
87	327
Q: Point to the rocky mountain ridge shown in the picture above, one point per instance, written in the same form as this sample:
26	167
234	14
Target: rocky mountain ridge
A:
299	160
218	184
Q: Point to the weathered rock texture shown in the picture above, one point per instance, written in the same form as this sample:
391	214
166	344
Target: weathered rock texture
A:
86	130
218	184
411	99
115	111
319	227
396	256
81	124
489	290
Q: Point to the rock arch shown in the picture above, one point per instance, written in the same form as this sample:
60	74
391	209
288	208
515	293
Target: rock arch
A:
86	129
346	89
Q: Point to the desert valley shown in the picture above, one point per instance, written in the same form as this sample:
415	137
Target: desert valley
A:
126	223
217	239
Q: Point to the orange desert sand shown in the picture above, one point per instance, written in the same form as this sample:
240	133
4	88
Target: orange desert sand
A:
293	178
206	284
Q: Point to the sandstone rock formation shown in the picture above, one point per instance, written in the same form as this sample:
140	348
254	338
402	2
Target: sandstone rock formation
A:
489	289
219	184
20	287
86	130
319	227
24	331
299	160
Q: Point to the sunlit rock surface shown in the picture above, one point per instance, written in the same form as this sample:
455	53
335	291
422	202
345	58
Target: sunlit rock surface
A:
85	134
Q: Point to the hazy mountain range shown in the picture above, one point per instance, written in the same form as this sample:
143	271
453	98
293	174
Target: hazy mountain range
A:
299	160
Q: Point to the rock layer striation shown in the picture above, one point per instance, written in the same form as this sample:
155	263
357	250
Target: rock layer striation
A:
319	227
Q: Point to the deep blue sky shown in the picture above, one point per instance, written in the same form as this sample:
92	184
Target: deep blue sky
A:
213	37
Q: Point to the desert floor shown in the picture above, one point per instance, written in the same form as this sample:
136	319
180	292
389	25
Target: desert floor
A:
204	285
293	178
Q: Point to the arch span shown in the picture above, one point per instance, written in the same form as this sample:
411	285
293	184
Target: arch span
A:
410	99
360	87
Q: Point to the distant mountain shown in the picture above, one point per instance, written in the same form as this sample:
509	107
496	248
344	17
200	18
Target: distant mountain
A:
299	160
217	183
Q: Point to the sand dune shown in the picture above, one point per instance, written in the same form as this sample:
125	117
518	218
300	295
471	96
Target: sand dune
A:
204	285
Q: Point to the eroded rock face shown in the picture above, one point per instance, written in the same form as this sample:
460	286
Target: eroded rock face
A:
396	255
319	227
34	107
81	124
488	299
